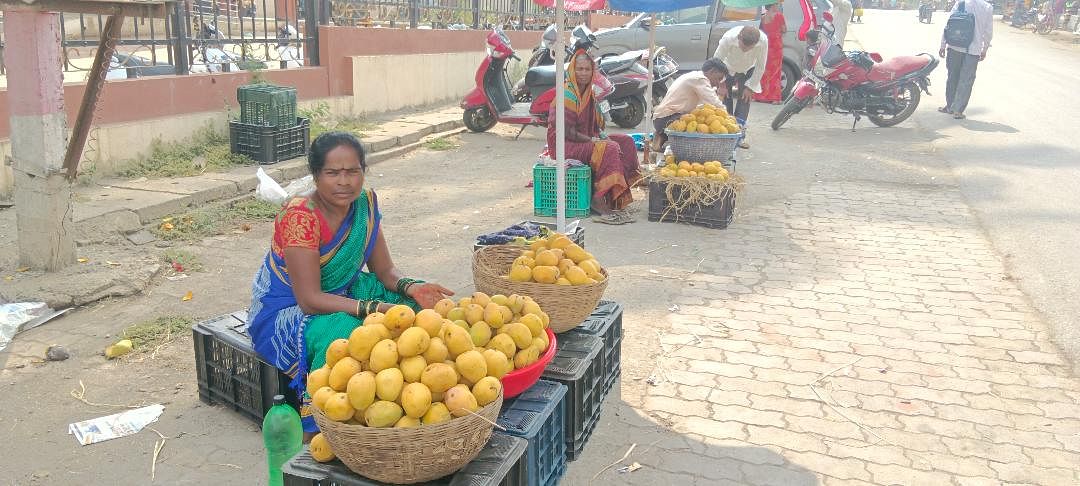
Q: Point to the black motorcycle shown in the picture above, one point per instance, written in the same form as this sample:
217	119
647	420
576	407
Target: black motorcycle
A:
926	11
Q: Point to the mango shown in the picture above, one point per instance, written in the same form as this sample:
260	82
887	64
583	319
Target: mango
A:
460	401
407	422
474	313
481	299
497	363
546	274
399	317
486	390
480	333
458	341
436	351
534	323
338	348
320	396
342	371
443	307
415	399
472	366
430	320
503	344
320	449
361	390
384	355
412	367
382	414
436	414
388	384
519	332
439	377
338	408
413	341
318	379
364	338
493	315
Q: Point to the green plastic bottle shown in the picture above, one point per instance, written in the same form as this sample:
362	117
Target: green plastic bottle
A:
283	437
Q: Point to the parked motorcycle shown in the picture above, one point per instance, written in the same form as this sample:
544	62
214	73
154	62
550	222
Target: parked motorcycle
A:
1022	18
926	12
859	83
1044	23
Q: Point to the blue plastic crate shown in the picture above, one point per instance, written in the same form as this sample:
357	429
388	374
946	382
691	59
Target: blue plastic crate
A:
538	415
578	364
606	322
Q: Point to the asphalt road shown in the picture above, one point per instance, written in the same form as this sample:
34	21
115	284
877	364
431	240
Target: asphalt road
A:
1016	158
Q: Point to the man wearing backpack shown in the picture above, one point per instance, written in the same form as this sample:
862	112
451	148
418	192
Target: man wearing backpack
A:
963	44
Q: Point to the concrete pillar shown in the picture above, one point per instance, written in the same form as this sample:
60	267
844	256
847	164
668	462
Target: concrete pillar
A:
43	202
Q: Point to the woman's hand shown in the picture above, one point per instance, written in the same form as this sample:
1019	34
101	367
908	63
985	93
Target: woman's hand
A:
427	294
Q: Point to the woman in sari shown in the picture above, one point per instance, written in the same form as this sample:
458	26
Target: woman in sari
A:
613	158
773	26
311	288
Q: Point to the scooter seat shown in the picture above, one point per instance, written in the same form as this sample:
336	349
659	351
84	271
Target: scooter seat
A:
622	62
540	76
896	67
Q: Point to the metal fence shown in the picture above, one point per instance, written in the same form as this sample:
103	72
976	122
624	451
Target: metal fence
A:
448	14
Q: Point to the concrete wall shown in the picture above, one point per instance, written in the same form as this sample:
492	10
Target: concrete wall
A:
388	83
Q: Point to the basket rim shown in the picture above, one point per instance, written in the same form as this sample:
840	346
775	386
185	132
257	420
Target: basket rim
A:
530	284
672	133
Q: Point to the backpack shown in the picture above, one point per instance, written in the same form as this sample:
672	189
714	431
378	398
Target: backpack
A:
960	29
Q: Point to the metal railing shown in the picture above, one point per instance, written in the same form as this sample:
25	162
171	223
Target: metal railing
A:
448	14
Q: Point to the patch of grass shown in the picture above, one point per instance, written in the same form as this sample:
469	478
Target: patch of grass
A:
442	143
253	209
214	220
146	336
185	259
206	151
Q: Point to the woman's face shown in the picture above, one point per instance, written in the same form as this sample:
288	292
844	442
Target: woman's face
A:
341	179
583	70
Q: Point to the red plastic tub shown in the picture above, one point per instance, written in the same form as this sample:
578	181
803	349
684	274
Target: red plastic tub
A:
518	381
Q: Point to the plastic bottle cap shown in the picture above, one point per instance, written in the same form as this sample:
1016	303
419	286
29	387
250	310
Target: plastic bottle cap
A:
279	399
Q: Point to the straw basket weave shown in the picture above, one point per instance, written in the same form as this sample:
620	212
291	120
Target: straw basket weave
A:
702	147
410	455
566	305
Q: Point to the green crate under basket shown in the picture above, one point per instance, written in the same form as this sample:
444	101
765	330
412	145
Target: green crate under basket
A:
267	105
578	190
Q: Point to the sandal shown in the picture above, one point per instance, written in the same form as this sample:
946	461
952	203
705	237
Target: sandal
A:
624	215
610	218
958	116
945	110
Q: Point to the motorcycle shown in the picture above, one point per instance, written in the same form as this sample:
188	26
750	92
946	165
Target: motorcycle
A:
926	11
1021	18
491	101
1045	23
859	83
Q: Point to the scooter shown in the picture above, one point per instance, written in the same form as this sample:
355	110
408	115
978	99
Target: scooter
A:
490	102
859	83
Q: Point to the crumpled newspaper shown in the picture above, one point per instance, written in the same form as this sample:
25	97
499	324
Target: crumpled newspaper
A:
117	425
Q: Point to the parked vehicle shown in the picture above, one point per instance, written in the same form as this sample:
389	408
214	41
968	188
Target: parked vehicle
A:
859	83
491	101
1045	23
926	12
1022	18
692	34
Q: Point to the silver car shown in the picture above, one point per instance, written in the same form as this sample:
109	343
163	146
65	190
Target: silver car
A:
692	34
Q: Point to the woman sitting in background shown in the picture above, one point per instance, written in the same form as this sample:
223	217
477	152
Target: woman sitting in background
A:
613	158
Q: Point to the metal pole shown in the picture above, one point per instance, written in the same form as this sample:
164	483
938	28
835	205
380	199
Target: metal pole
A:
649	64
182	50
560	118
94	84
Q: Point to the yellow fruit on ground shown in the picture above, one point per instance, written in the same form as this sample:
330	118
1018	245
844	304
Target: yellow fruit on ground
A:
519	332
504	344
472	366
563	281
364	338
443	307
375	318
407	422
317	379
413	341
458	340
526	357
460	401
534	323
480	333
399	318
486	390
337	349
344	369
320	449
493	315
337	407
520	273
437	413
384	355
412	367
429	320
682	173
497	363
388	384
383	414
320	396
474	313
546	274
439	377
436	351
415	399
361	390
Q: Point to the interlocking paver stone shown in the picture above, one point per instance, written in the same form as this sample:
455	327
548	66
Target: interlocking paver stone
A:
891	303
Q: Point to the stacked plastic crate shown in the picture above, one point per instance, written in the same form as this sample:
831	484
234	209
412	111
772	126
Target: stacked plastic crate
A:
268	130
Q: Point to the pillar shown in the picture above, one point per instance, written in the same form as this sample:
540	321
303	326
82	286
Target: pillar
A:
43	202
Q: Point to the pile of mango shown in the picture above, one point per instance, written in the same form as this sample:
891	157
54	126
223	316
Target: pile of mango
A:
406	369
556	260
706	119
711	170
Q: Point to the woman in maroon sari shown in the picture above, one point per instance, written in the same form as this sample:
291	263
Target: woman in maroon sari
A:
613	158
773	26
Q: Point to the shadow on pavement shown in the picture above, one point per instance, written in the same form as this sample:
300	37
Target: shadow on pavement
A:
989	127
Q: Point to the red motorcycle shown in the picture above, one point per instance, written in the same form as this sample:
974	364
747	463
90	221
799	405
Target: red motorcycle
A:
859	83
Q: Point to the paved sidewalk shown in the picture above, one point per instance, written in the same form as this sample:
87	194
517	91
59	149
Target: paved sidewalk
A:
866	333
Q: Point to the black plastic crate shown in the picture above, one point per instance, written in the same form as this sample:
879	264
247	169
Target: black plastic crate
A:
229	372
538	416
716	215
267	105
578	364
577	236
268	145
500	463
606	322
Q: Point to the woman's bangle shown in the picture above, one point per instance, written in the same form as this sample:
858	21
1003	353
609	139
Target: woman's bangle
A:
372	307
404	283
358	302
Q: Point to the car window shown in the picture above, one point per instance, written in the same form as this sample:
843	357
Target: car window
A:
695	15
739	13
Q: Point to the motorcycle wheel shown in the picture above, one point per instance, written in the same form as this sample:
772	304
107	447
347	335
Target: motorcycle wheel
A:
789	75
478	119
912	94
632	115
791	107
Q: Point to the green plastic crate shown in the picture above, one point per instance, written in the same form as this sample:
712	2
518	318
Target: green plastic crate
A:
578	190
267	105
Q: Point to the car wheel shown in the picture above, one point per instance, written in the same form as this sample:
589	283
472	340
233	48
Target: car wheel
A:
789	75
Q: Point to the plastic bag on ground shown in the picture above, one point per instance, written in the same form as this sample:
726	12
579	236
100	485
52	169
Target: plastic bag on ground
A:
269	190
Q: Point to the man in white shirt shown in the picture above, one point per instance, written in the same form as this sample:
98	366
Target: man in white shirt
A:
842	12
744	50
688	92
962	61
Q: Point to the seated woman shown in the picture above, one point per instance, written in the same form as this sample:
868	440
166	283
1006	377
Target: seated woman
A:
311	289
613	158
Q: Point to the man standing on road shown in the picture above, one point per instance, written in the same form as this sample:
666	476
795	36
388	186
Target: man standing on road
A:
744	50
962	61
687	92
842	12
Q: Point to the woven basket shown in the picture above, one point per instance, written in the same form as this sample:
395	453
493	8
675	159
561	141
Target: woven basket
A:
702	147
410	455
566	305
